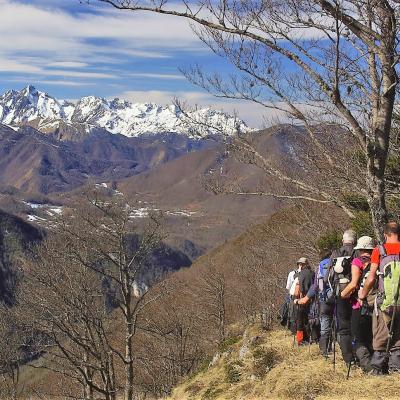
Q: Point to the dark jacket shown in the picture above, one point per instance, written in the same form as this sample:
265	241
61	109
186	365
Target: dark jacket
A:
306	280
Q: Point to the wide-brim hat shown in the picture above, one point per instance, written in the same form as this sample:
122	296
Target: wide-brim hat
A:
365	243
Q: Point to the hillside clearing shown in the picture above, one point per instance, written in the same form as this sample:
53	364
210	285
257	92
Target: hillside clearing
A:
267	366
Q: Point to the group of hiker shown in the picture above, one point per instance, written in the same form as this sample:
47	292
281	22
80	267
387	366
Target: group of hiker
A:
351	299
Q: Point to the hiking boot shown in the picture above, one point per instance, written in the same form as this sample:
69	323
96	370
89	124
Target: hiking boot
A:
375	372
303	343
393	371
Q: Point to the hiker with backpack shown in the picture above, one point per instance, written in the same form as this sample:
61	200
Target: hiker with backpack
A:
317	295
338	277
305	281
385	266
361	317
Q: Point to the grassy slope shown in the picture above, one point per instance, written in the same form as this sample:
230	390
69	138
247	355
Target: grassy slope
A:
296	373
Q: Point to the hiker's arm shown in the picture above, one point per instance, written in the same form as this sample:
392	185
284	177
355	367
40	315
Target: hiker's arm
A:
312	292
352	286
369	283
303	300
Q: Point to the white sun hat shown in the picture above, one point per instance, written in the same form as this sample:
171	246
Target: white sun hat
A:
365	243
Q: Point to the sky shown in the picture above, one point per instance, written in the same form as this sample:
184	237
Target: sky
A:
71	49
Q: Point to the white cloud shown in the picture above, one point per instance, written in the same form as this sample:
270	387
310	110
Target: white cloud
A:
60	82
157	76
33	28
16	66
68	64
9	65
51	42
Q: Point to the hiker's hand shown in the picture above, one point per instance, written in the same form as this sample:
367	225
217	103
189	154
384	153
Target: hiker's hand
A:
302	301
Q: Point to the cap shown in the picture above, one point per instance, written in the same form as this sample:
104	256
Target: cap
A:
302	260
365	243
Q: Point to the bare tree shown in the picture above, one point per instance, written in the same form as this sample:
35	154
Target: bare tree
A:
172	336
92	264
213	298
330	61
65	303
12	356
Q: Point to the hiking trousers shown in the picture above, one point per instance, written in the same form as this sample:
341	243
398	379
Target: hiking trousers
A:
325	320
343	313
380	330
302	320
293	311
361	330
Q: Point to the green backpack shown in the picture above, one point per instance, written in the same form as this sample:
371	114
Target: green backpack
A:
389	282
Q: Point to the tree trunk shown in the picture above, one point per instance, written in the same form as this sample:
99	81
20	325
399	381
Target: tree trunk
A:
128	344
377	204
128	363
381	122
88	389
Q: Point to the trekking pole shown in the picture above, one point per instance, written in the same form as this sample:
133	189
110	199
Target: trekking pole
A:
348	369
295	325
334	338
329	340
390	338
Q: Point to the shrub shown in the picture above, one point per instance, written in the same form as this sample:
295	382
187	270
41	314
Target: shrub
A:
232	372
227	343
329	241
194	389
308	389
356	202
211	393
264	361
202	367
362	224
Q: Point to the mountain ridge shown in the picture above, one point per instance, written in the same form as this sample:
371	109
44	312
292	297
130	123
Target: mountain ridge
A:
32	107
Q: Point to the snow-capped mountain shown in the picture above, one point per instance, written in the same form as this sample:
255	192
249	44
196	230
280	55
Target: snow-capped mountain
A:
42	111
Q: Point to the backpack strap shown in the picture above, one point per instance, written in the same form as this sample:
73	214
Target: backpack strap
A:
382	250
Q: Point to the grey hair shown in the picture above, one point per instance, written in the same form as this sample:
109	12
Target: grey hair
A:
349	236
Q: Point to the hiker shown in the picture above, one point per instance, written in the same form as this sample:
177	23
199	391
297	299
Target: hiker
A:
305	281
317	294
386	317
337	278
292	288
291	278
361	317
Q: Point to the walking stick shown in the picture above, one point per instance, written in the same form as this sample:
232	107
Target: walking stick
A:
348	369
295	308
334	338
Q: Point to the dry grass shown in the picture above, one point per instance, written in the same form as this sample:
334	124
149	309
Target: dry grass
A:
274	369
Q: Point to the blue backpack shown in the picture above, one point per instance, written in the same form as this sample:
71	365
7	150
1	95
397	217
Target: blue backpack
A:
323	271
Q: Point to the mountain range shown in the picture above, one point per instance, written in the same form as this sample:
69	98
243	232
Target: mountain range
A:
51	150
69	120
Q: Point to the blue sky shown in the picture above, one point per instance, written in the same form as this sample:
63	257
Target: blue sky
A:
71	49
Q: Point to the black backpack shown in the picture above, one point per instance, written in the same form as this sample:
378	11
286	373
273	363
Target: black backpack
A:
339	275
